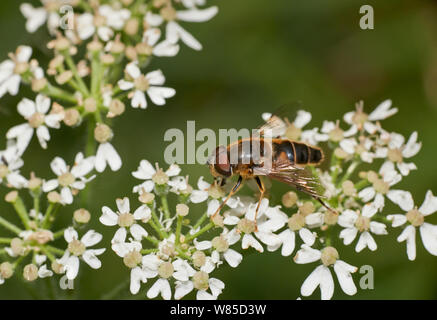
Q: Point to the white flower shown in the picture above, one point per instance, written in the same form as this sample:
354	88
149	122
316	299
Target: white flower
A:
174	32
107	155
139	84
10	163
268	220
109	20
321	276
124	219
200	195
416	219
381	187
223	243
354	222
397	151
163	49
12	69
288	240
359	120
36	17
363	149
178	269
146	172
193	3
122	247
36	113
69	179
79	248
215	285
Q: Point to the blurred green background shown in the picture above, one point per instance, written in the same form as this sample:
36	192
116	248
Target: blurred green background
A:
258	55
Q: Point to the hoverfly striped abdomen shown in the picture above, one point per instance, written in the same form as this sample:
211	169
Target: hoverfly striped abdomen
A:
296	152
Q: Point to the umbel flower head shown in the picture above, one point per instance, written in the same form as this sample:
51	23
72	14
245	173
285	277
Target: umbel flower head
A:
173	256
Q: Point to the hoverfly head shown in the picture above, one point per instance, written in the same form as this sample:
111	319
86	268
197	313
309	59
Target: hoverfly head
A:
219	163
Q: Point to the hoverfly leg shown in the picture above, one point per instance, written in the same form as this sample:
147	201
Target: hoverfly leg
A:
261	190
325	205
233	191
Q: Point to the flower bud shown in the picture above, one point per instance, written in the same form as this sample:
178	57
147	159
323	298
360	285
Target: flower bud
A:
131	26
72	117
116	108
201	280
220	243
12	196
348	188
182	209
57	267
6	270
246	226
90	105
125	220
329	256
38	84
217	220
289	199
199	259
102	133
17	246
307	208
82	216
30	272
132	259
76	247
415	217
54	197
146	197
296	222
64	77
165	270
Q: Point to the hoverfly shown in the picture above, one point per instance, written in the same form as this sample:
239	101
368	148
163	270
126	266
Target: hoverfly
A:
272	157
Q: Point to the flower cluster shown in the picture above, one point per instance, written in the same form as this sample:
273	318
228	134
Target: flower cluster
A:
34	244
172	257
100	51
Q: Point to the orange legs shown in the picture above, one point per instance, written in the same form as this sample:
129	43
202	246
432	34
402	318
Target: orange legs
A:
234	190
262	190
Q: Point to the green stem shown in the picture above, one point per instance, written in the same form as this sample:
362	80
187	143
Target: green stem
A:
45	221
58	234
5	240
158	224
362	184
200	221
55	250
147	251
152	239
59	93
10	226
164	205
198	233
116	291
21	211
157	229
51	257
178	229
349	171
183	254
73	68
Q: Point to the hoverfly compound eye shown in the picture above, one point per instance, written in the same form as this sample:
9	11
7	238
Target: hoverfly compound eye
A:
220	161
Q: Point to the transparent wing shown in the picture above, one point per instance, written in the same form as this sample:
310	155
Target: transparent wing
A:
297	177
276	123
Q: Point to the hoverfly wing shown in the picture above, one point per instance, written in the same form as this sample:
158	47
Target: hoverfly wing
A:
294	176
276	123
